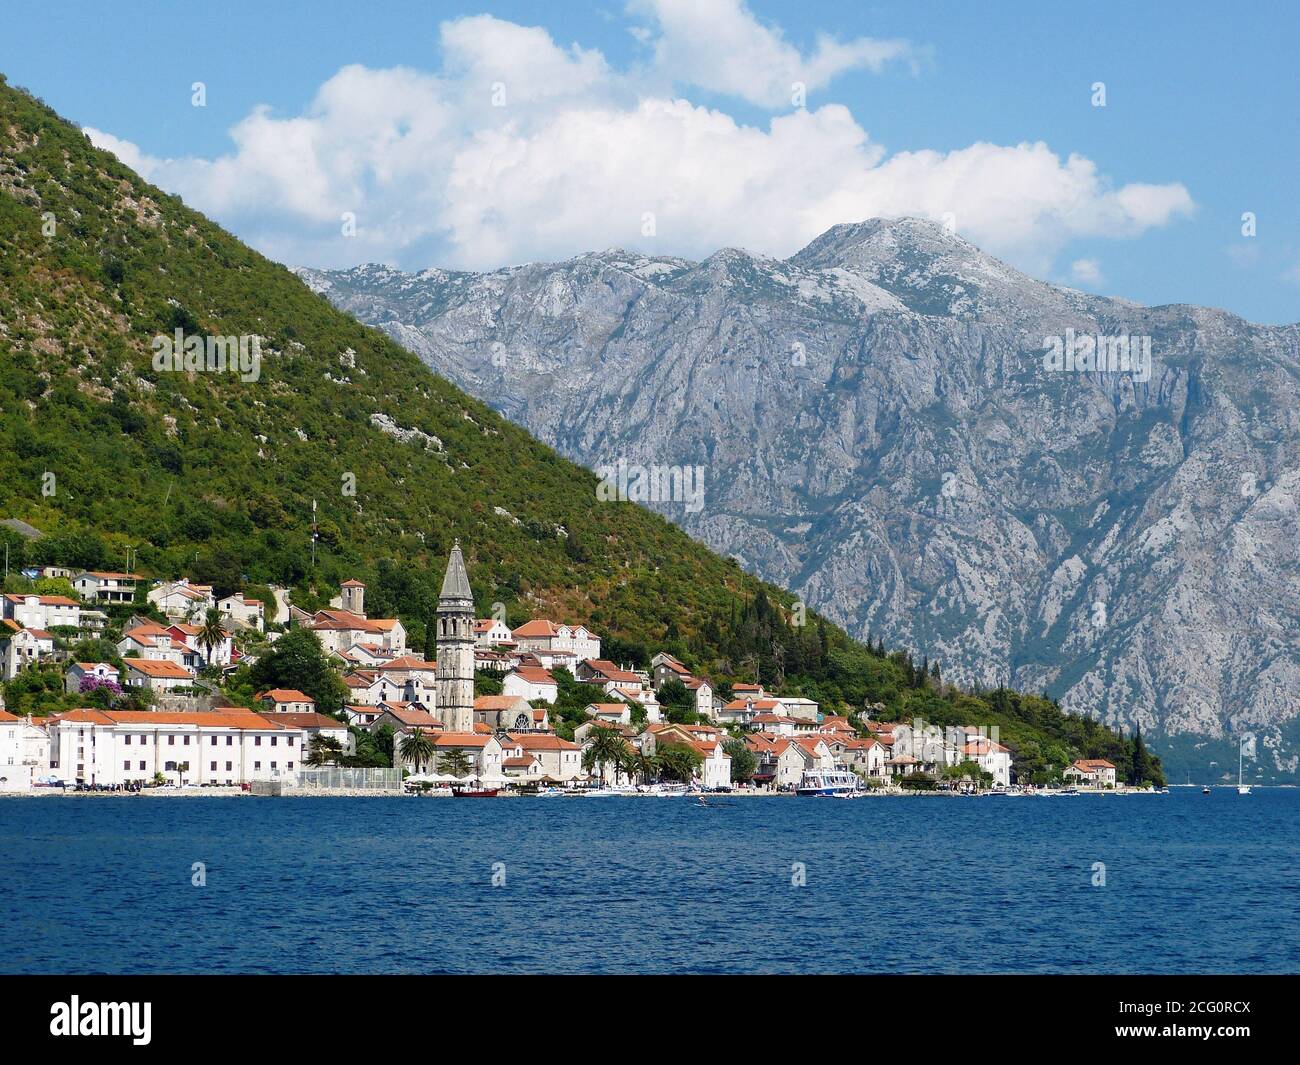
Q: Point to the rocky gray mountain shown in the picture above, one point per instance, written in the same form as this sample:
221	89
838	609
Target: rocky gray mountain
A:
1076	494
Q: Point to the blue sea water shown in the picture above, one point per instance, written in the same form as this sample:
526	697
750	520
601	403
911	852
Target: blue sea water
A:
1192	883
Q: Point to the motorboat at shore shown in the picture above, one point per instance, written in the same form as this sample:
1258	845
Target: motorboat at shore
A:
819	782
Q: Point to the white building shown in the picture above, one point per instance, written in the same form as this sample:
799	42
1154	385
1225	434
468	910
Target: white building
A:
531	682
156	675
799	708
408	679
705	704
228	747
98	586
992	758
41	611
556	758
181	600
1092	772
20	648
24	752
541	634
246	613
152	642
286	701
610	713
490	632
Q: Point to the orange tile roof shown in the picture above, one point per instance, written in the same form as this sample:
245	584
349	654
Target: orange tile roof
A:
498	702
541	741
407	662
285	695
158	669
407	716
534	674
461	739
537	627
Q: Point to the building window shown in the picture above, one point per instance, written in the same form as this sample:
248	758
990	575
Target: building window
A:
214	741
126	740
257	765
126	765
228	767
273	739
212	767
230	741
142	765
257	741
171	741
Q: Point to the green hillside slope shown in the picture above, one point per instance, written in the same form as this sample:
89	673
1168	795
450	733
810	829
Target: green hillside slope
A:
206	474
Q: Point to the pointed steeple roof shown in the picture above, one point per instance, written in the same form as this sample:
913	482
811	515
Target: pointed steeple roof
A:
455	585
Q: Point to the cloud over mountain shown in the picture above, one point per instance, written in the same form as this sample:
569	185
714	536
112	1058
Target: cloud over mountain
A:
517	148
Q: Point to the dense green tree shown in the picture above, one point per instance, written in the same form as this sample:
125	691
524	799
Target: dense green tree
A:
744	762
456	763
296	660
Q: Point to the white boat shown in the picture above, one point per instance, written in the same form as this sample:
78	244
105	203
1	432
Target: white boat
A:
665	791
827	782
1242	789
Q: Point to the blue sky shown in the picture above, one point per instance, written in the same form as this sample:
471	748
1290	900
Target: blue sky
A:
924	108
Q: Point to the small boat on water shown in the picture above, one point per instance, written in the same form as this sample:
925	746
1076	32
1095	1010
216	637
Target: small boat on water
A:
1242	789
1205	790
819	782
473	791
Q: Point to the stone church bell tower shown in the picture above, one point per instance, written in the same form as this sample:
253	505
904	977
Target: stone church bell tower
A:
455	638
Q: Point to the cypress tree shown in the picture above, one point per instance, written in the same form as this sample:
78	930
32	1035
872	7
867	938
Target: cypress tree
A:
431	639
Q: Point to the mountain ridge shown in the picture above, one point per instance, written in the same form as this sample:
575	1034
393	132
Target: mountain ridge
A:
1092	534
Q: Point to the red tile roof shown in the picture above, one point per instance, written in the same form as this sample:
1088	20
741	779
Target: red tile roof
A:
158	669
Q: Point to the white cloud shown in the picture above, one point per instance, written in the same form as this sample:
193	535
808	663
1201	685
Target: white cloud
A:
721	47
1086	271
437	174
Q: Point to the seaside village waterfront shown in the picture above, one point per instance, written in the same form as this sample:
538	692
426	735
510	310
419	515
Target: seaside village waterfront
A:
153	722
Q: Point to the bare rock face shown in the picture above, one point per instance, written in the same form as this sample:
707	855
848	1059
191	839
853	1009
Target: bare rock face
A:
929	446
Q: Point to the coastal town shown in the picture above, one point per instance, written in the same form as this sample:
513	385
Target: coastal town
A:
485	717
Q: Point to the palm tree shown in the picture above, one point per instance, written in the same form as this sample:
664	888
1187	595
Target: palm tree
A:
212	633
456	762
678	761
626	764
605	746
417	748
639	766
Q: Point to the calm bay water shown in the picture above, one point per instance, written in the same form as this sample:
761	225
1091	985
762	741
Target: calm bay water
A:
1193	884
